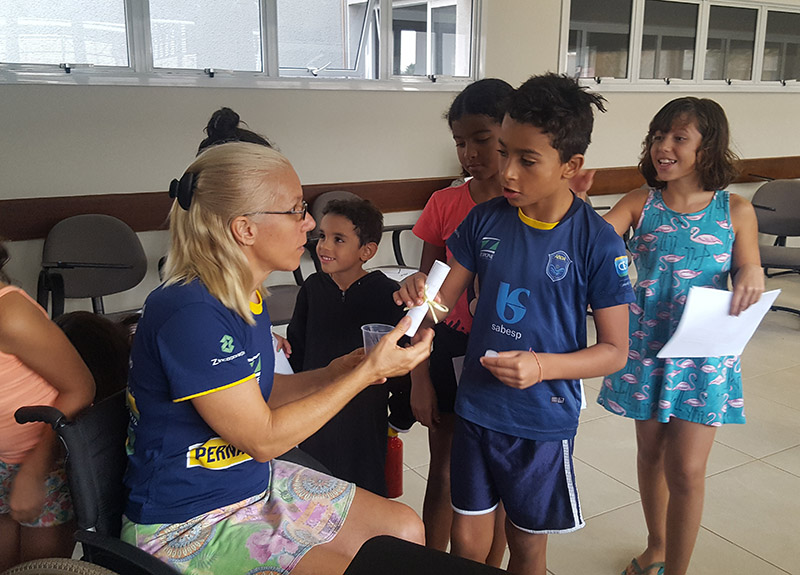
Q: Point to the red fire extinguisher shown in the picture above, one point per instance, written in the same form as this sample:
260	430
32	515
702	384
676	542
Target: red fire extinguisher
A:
394	465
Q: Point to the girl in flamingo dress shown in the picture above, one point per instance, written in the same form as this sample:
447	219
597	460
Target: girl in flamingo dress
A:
687	232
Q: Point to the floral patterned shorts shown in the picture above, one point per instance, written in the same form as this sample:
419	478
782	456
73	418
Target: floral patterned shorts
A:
57	504
266	534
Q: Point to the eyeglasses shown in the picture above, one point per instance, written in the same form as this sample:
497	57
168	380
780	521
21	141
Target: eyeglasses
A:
297	212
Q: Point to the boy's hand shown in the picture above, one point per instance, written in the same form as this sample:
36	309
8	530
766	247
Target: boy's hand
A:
748	286
283	344
423	397
412	291
517	369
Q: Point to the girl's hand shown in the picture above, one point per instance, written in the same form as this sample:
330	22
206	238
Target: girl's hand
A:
27	496
423	397
748	285
283	344
517	369
387	359
412	291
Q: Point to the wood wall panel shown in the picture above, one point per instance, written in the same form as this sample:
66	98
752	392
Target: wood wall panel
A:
32	218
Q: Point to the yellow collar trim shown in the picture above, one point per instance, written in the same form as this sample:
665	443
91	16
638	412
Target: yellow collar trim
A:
536	223
257	307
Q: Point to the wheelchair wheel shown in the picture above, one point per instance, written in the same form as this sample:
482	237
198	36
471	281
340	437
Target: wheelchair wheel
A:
57	566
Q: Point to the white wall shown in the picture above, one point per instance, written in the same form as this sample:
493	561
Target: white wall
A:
74	140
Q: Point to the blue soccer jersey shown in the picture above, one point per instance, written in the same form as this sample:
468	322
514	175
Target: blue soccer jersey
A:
188	344
535	287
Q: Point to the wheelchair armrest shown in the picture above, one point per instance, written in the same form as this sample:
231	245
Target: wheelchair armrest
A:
40	413
119	556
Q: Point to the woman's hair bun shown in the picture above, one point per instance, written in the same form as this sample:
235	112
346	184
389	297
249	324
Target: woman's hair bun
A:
223	124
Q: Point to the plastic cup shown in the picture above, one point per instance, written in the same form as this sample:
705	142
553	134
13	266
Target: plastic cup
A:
372	333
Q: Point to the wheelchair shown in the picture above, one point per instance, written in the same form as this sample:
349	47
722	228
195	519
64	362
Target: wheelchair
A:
96	462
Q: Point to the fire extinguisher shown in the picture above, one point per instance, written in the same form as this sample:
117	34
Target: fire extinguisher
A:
394	465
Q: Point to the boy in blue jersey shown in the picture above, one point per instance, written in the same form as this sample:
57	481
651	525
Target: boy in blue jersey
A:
541	256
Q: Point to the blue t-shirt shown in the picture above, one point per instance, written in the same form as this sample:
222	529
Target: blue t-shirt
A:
535	286
188	344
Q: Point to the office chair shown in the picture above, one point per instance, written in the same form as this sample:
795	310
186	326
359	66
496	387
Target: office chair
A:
89	256
777	206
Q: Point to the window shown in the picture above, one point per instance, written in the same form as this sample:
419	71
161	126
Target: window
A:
668	39
782	47
599	35
649	44
67	32
731	43
244	41
215	34
431	38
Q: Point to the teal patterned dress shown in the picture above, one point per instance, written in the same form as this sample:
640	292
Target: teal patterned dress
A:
672	252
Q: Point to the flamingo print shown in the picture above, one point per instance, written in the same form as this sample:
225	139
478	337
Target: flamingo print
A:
705	239
642	395
721	258
697	402
679	275
684	385
667	259
616	407
664	404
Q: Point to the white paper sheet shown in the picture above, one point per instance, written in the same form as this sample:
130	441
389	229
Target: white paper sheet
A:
707	329
282	366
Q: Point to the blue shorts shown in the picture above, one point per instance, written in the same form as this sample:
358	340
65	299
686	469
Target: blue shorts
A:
534	479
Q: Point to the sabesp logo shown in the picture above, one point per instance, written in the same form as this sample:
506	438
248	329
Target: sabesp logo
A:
506	300
226	343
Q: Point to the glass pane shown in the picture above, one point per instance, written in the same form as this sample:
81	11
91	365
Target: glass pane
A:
432	37
668	40
68	31
782	47
731	41
209	34
599	38
410	29
319	34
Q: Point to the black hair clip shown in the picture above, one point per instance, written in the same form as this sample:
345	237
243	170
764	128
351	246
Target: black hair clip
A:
183	189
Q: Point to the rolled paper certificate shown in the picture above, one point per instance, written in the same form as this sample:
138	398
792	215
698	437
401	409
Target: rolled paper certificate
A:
435	280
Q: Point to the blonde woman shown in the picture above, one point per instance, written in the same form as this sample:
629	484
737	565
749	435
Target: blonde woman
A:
209	416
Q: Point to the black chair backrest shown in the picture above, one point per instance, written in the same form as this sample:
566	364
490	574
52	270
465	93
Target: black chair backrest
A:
777	205
96	462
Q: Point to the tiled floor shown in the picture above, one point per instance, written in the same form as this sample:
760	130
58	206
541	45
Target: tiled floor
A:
751	521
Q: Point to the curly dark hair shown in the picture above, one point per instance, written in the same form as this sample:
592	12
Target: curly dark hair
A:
559	106
367	219
716	163
485	97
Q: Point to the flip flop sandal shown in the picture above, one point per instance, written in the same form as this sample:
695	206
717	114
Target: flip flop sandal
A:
637	569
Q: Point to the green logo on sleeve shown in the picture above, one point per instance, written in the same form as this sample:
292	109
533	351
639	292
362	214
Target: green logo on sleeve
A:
227	343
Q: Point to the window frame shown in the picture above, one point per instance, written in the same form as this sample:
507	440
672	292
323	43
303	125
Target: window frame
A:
633	83
141	71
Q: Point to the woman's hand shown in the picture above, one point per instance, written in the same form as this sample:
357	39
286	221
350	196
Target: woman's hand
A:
748	285
423	397
345	363
387	359
517	369
27	496
412	291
